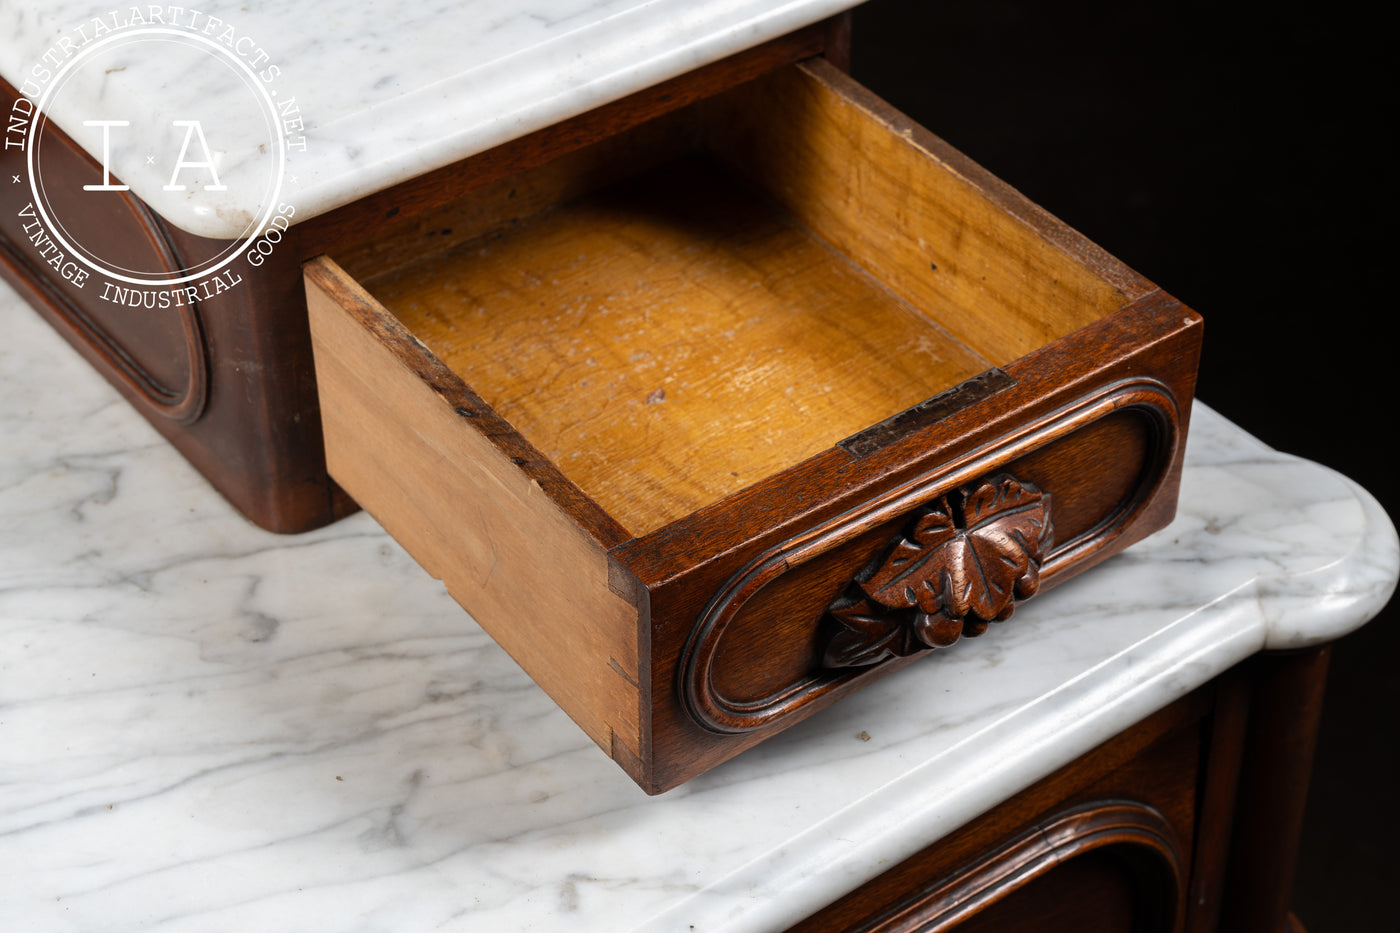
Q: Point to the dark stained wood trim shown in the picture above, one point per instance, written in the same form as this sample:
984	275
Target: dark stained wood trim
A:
182	403
926	413
1151	764
1224	754
244	411
706	703
1135	830
1286	709
838	41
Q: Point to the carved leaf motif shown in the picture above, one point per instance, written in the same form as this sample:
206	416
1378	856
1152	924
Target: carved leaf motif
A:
871	634
963	564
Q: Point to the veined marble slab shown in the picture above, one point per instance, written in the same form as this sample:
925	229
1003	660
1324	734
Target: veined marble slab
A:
204	726
386	91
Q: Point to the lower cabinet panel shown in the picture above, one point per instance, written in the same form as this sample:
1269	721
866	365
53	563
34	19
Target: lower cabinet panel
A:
1098	891
1104	844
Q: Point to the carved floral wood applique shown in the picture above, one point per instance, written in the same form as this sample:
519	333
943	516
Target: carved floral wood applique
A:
962	563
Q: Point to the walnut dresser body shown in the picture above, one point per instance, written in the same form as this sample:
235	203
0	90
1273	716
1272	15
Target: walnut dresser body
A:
909	365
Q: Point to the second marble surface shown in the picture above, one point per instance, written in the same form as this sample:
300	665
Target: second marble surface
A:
384	91
207	727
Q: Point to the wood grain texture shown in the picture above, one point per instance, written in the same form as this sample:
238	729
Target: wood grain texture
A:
1091	476
939	230
670	341
156	355
419	451
496	205
757	654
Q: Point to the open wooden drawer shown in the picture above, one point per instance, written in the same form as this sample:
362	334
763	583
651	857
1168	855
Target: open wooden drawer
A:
713	421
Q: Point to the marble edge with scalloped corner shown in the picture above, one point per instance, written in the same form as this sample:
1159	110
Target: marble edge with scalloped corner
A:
205	726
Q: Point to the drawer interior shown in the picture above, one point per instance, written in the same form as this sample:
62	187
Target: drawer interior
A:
689	307
649	405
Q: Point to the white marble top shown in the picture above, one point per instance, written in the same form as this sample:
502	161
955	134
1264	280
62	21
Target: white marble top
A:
207	727
386	91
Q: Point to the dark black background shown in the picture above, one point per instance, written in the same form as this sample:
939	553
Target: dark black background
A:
1238	156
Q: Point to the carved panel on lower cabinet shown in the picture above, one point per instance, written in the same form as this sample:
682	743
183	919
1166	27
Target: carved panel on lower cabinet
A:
1117	862
149	338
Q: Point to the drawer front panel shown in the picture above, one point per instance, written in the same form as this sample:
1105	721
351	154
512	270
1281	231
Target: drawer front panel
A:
928	561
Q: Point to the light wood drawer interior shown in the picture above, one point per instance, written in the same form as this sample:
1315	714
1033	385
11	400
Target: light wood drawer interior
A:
776	272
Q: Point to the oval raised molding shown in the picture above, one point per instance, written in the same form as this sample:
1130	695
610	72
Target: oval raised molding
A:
1133	831
158	354
708	705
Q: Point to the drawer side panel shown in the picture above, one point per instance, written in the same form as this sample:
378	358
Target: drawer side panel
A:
941	232
525	570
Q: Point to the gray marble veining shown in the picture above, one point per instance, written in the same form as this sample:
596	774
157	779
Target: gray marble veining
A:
383	91
207	727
